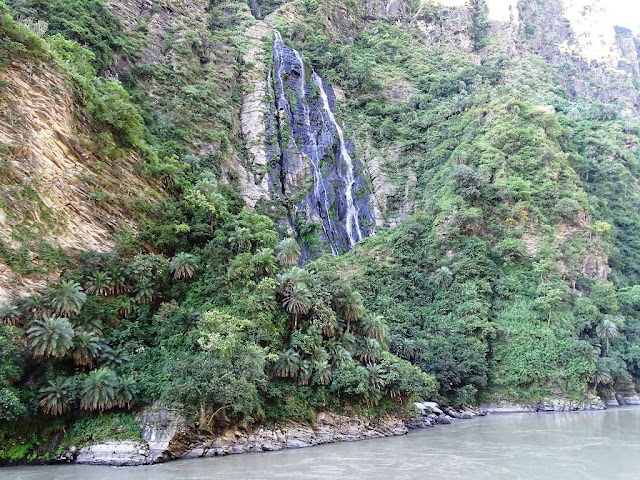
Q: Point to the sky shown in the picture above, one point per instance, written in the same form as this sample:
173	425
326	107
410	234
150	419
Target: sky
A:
625	13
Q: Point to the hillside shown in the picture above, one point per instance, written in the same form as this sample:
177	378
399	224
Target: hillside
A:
257	212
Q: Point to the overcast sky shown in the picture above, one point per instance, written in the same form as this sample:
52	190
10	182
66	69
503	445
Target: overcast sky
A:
625	13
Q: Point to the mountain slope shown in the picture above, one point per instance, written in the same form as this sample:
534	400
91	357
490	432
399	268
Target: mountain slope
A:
338	206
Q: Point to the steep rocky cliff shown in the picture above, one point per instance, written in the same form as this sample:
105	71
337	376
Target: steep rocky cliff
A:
65	188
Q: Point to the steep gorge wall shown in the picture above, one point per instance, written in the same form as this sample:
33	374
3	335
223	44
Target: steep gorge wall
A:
59	190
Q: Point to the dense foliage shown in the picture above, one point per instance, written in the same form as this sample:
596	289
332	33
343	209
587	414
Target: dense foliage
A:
497	285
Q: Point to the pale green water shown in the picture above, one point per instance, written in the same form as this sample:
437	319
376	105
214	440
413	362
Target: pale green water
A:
563	446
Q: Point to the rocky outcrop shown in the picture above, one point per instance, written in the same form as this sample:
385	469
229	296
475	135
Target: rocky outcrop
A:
125	453
253	179
328	428
159	427
556	404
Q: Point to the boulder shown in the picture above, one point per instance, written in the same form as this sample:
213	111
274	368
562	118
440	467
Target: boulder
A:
443	419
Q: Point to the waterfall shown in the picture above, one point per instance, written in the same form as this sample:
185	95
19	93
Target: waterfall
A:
307	128
352	211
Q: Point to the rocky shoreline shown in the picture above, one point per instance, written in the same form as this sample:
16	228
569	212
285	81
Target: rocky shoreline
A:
166	436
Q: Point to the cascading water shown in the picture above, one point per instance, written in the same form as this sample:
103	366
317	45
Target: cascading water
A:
352	211
307	128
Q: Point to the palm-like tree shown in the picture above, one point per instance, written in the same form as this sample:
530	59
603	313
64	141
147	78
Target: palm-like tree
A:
68	298
265	261
118	278
369	350
183	265
350	342
352	307
240	239
406	348
37	306
124	305
376	373
319	354
288	252
145	291
297	302
54	396
9	314
372	396
375	327
606	331
127	392
99	283
442	277
325	319
52	336
337	353
113	357
306	372
100	390
292	277
321	373
288	364
87	347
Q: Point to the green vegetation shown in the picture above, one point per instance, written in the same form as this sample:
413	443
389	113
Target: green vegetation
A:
497	285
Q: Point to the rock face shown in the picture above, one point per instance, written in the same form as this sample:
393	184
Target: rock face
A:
55	184
116	453
329	428
159	427
548	405
314	164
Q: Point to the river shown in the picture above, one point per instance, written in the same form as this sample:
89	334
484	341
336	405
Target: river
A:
552	446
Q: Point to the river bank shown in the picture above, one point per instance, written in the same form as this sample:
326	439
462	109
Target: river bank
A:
165	435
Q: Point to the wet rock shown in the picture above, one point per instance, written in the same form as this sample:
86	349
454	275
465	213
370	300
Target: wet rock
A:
161	427
443	419
465	415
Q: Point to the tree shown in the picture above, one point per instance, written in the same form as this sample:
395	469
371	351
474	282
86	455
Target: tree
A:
375	327
240	239
52	336
369	350
442	277
100	390
113	357
606	331
297	302
183	265
118	279
127	392
288	252
87	347
99	283
288	364
145	291
305	373
376	375
292	277
351	307
321	373
68	298
54	396
9	314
